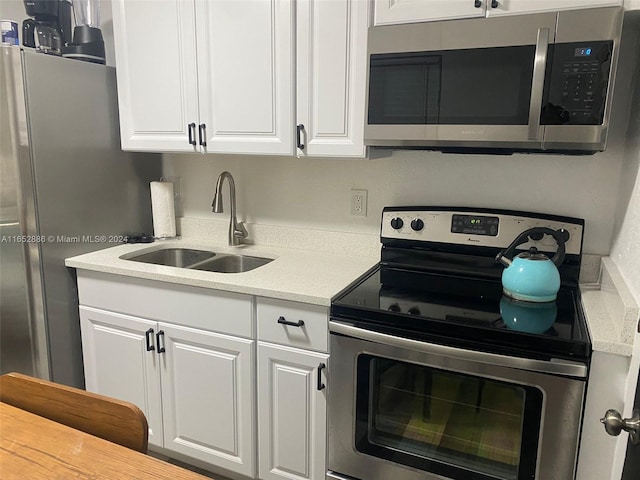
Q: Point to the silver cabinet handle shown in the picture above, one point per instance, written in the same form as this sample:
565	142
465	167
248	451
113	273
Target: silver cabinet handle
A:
614	424
537	83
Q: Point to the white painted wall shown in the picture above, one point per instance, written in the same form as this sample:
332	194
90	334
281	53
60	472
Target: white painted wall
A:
314	193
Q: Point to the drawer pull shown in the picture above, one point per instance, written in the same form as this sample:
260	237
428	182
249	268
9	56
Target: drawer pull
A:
321	386
160	345
148	336
284	321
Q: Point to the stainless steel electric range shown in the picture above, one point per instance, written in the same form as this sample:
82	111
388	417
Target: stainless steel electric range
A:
437	374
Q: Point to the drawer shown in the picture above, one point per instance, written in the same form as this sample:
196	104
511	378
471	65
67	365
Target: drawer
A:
312	334
196	307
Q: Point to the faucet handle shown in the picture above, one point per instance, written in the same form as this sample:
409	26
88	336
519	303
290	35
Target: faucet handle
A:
240	231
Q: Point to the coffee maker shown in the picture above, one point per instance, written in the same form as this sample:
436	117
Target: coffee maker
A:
87	43
49	29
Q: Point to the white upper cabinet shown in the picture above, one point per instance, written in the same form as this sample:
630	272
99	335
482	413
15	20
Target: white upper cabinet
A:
511	7
331	41
407	11
245	66
220	76
157	74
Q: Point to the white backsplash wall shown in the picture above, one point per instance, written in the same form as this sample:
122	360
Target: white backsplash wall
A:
316	193
626	238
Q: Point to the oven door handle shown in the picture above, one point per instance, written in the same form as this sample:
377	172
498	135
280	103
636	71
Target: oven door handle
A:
553	366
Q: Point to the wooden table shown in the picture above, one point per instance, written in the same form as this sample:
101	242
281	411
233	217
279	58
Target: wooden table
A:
34	448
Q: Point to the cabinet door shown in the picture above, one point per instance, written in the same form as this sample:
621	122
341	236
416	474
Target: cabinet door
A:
207	392
512	7
331	76
117	362
155	49
245	67
292	422
407	11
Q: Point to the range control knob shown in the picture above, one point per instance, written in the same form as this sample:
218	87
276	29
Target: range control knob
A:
417	224
414	311
396	223
394	307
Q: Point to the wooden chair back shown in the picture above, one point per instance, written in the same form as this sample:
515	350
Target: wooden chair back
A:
114	420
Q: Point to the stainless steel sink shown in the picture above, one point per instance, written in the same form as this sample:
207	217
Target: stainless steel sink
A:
232	263
174	257
201	260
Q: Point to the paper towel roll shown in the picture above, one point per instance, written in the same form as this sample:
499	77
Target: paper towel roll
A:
163	209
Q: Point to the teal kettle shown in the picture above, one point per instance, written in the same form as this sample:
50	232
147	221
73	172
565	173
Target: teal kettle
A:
531	276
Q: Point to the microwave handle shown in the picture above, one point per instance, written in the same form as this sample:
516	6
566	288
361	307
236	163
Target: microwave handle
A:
537	84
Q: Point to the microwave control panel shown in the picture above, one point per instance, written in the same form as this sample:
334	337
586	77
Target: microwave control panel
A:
576	83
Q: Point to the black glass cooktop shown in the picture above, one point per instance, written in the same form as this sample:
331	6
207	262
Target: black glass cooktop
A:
467	312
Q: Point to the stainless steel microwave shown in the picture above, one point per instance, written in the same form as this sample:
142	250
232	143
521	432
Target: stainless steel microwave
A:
536	82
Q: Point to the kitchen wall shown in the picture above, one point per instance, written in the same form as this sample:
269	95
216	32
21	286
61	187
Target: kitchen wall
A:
314	193
626	236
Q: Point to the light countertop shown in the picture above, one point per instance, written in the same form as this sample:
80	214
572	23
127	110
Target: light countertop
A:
611	311
298	275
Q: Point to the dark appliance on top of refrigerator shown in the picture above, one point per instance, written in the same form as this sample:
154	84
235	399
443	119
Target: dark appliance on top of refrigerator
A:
67	189
440	373
87	43
49	29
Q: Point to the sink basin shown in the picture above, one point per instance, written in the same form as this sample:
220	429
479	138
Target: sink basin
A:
232	263
201	260
174	257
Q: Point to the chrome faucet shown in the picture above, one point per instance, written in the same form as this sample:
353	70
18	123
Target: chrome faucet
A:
236	230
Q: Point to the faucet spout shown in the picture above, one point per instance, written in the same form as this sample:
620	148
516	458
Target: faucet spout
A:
237	231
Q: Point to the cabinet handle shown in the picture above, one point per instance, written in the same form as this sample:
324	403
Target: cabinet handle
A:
201	134
494	3
299	130
477	4
148	335
321	385
192	133
284	321
160	345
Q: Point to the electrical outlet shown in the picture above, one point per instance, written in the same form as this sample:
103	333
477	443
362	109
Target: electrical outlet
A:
359	203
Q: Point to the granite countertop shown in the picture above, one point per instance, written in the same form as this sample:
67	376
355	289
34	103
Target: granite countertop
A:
298	275
611	311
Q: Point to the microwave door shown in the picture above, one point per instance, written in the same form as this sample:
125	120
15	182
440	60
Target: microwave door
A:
464	84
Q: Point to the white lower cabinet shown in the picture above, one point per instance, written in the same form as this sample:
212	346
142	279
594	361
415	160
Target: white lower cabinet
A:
207	397
118	364
202	363
196	387
292	409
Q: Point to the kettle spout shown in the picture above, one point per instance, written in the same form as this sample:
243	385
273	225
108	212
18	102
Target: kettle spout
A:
500	258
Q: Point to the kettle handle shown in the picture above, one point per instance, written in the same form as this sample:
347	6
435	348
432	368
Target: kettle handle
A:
560	236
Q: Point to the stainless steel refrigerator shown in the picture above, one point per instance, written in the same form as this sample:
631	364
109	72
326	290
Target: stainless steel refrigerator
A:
64	183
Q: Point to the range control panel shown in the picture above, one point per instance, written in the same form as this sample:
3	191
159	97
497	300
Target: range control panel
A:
481	228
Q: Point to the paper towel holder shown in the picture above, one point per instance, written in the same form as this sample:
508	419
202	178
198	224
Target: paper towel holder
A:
163	210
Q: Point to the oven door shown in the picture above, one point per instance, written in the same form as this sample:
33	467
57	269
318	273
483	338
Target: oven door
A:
458	83
410	410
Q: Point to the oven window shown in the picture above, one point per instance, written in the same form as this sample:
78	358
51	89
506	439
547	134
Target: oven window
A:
483	86
459	426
